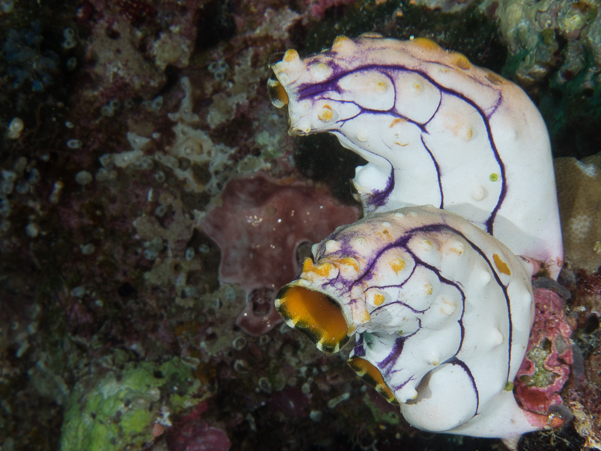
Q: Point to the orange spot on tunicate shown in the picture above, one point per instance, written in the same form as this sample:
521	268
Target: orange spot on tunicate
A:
461	61
426	43
381	86
379	299
501	265
351	262
397	265
291	55
339	41
494	78
322	270
326	114
347	261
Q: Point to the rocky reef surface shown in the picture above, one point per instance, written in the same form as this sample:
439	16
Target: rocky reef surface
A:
151	202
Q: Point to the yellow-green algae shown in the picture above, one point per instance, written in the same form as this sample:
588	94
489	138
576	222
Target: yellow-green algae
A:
118	411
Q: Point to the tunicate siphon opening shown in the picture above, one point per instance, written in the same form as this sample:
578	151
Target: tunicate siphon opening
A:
371	376
277	93
315	314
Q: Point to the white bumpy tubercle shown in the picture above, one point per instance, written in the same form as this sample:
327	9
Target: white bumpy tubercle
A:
442	312
436	130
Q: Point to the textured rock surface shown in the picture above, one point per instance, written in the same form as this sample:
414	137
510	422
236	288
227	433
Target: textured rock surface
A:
579	195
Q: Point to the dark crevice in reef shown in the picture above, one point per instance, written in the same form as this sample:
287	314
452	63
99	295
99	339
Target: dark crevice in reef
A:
470	31
215	23
321	158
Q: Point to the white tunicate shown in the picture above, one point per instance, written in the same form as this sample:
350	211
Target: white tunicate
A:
15	128
189	254
83	178
69	124
160	211
32	230
264	339
204	249
87	249
239	343
74	143
115	104
306	388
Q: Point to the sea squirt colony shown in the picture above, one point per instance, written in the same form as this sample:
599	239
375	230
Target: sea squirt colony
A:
460	211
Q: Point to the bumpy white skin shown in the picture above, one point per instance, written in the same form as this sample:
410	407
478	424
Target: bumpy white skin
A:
443	311
435	130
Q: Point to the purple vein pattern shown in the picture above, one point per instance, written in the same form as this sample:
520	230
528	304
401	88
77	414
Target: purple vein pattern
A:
435	297
435	130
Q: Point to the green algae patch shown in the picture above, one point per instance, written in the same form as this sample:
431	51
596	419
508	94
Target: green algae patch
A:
379	416
118	410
